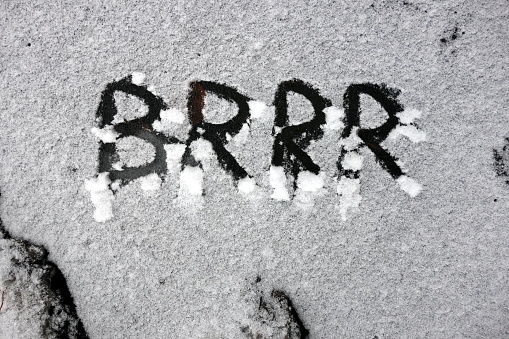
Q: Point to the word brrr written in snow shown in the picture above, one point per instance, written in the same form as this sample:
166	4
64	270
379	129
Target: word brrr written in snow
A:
291	164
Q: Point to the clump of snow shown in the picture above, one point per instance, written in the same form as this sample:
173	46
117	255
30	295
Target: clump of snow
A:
246	185
309	187
352	161
101	196
107	134
137	78
352	141
115	186
409	185
117	119
409	131
174	152
409	115
168	117
257	109
334	118
173	115
203	152
349	195
277	180
191	181
151	182
118	166
309	182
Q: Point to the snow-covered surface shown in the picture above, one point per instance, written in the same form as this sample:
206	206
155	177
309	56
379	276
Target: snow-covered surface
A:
101	196
106	134
422	256
277	179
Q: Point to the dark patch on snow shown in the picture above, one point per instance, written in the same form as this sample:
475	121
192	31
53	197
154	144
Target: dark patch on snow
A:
276	312
58	318
501	161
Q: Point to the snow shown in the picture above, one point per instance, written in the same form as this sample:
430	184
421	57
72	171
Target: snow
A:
411	132
352	161
349	195
203	152
174	152
258	109
106	134
32	302
173	115
409	185
138	78
334	118
118	166
101	196
246	185
309	182
169	117
191	181
242	137
352	141
277	180
409	115
151	182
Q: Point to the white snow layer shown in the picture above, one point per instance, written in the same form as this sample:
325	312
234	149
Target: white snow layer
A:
101	195
349	195
137	78
257	109
246	185
277	180
409	185
352	161
409	131
191	181
151	182
309	182
168	117
333	118
106	134
174	152
243	135
408	116
352	141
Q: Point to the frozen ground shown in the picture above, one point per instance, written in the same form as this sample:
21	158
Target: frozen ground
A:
193	253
